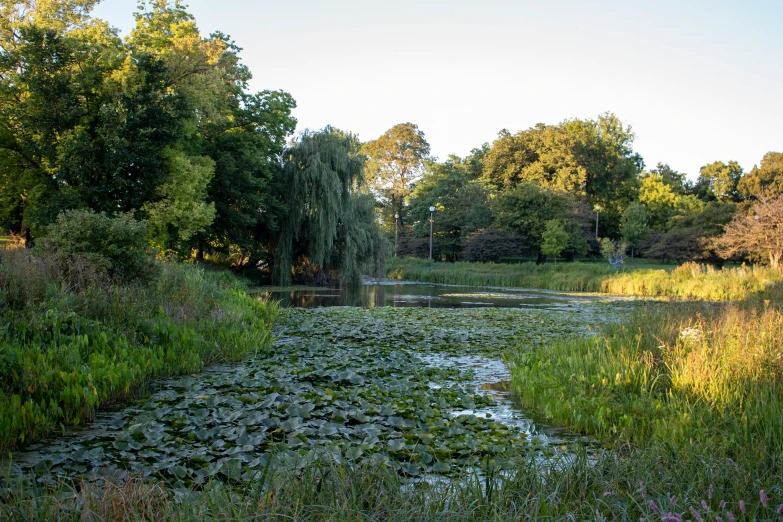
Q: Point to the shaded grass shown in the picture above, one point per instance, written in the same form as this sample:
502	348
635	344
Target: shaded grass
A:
688	281
610	486
73	341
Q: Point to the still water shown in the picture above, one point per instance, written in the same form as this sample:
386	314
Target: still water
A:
402	293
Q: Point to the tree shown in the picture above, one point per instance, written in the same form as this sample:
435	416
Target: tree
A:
659	199
719	181
327	220
634	225
555	238
766	178
757	234
462	201
493	245
526	208
395	161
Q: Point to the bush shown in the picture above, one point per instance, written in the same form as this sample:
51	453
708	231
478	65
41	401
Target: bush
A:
492	245
86	241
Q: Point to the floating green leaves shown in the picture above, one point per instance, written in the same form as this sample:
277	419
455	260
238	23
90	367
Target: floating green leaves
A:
340	383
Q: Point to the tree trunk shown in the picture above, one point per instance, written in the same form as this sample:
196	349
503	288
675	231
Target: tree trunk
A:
774	259
200	253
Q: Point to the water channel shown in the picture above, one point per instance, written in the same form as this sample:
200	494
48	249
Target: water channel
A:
157	429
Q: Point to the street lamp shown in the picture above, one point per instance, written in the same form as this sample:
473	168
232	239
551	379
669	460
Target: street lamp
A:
597	209
432	219
396	217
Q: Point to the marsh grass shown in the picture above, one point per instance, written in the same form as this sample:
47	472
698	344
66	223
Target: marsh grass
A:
692	280
73	340
611	486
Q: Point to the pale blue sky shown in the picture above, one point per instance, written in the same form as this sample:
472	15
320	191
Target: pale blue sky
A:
699	81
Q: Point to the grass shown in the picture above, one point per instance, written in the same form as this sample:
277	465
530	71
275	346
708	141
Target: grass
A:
690	280
73	342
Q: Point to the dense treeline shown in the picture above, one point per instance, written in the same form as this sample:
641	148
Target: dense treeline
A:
161	125
554	190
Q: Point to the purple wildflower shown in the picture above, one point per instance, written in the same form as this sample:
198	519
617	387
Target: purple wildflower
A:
764	499
704	505
710	492
672	500
730	517
742	506
671	517
722	505
654	507
718	519
643	490
780	509
696	514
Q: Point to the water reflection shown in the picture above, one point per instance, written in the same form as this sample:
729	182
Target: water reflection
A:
404	294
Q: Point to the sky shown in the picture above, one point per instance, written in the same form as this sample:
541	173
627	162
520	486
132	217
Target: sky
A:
699	81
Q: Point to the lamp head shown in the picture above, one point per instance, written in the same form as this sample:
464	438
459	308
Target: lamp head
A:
432	209
396	216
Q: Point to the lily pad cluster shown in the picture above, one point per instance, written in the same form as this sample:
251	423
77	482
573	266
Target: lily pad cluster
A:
339	383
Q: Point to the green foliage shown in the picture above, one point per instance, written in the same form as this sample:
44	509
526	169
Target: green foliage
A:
461	200
327	217
394	161
117	245
765	179
524	209
554	239
67	351
719	181
634	225
659	199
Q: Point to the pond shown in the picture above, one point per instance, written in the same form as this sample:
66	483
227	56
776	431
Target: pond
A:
421	390
377	293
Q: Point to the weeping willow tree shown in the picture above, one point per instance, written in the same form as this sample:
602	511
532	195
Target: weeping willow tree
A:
328	218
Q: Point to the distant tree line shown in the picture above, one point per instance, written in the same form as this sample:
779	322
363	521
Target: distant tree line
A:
539	192
160	127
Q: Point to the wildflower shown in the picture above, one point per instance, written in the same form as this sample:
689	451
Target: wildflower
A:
730	517
671	517
742	506
696	515
654	507
780	510
644	490
764	500
690	335
672	500
718	518
710	492
704	505
722	505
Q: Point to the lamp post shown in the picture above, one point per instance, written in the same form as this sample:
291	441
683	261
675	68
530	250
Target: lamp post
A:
597	209
432	219
396	218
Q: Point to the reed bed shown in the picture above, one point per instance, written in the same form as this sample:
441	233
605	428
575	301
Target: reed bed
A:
689	281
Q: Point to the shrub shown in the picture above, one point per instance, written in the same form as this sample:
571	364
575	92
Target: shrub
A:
492	245
83	241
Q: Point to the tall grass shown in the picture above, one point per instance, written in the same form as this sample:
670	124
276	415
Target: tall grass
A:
689	281
682	375
610	486
73	341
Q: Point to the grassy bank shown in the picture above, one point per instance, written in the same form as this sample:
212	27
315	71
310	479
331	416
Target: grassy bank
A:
687	281
73	342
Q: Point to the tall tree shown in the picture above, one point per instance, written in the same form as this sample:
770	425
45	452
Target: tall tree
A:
323	171
395	161
719	181
766	178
